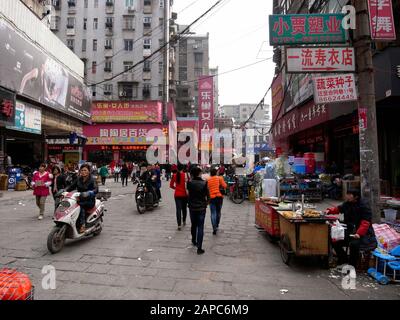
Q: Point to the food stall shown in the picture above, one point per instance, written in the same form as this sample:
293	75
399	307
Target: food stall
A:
267	217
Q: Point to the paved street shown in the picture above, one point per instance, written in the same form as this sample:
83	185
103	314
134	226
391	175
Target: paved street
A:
146	257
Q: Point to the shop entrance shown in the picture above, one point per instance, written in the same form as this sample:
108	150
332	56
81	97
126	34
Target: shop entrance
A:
24	152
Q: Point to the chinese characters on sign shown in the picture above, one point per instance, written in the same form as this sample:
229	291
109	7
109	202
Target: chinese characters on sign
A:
381	20
123	133
206	109
362	116
324	59
306	29
7	107
334	88
277	96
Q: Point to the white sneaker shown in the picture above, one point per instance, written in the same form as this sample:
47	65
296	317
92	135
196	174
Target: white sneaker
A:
40	217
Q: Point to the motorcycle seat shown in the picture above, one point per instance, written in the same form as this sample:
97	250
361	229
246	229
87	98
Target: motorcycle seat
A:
90	211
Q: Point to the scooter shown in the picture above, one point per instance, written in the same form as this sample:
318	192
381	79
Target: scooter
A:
145	200
66	216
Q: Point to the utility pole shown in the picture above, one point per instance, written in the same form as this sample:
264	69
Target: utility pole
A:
369	156
166	60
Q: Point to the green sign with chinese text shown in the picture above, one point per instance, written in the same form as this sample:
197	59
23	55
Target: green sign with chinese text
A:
294	29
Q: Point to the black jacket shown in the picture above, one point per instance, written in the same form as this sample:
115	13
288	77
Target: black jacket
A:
124	171
81	186
198	194
60	182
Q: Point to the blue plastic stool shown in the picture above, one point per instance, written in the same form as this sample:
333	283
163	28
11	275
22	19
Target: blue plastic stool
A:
395	266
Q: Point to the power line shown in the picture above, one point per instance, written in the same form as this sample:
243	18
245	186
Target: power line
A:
165	44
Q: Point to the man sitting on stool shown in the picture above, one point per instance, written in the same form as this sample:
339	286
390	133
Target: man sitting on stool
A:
359	233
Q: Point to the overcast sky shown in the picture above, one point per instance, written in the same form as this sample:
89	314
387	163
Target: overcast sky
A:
238	37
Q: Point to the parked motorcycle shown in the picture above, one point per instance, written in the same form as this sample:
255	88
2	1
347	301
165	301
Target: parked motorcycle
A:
66	216
145	200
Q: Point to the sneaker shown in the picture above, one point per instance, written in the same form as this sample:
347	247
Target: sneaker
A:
40	217
82	229
214	232
200	251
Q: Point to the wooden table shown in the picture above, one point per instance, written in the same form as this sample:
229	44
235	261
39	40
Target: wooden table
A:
304	238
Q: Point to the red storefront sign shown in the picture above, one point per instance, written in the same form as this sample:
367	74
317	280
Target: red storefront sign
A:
127	111
381	20
277	96
206	110
7	107
326	59
300	119
335	88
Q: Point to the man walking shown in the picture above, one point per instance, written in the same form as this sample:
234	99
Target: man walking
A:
103	174
198	200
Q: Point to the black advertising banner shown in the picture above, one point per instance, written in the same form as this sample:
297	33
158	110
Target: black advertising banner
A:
7	107
28	71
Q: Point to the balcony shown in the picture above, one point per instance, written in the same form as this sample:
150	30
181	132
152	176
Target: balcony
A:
109	3
109	7
108	75
107	93
109	25
146	94
107	69
70	31
146	53
128	77
57	5
146	75
109	32
147	9
71	4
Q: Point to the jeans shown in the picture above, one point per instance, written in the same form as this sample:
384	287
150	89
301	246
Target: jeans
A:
124	180
116	177
216	206
158	191
181	210
198	218
354	246
40	202
103	180
85	204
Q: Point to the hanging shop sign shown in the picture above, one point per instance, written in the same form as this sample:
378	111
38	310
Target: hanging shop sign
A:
7	107
381	20
27	118
277	96
335	88
291	29
206	111
324	59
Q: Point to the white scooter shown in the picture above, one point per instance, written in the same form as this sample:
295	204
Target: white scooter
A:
66	216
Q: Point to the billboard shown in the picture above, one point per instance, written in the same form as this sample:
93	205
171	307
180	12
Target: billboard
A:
30	72
381	20
206	111
335	88
127	111
323	59
290	29
27	118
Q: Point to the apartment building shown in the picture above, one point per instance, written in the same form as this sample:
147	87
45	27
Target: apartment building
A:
111	37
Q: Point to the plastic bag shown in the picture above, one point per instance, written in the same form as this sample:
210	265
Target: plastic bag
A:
338	231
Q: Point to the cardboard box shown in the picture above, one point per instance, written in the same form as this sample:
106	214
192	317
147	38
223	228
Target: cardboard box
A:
21	186
3	182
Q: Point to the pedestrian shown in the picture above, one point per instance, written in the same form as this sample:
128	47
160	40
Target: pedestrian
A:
157	173
178	183
58	183
124	175
215	184
167	171
198	200
134	172
221	170
103	174
41	182
117	171
359	231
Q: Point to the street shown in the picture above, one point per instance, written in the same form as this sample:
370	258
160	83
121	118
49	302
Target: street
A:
146	257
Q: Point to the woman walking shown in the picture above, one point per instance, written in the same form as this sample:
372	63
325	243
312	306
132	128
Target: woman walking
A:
103	174
198	200
41	182
124	175
117	171
215	184
59	183
178	183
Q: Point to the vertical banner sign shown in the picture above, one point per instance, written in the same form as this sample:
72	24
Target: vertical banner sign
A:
381	20
7	107
362	116
206	110
277	96
335	88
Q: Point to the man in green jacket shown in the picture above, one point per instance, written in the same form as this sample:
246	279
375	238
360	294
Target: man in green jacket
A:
103	174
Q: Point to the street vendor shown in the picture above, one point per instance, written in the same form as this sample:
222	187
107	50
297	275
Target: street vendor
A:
359	233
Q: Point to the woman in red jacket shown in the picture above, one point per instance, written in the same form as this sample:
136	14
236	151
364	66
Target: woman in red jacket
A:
41	182
178	183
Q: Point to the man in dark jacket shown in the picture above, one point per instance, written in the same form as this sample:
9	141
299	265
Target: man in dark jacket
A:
360	233
199	198
88	188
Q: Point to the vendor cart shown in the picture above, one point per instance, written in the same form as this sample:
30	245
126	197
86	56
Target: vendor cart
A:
304	237
267	218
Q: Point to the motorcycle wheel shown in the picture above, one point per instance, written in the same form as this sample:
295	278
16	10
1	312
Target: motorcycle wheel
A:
237	196
95	234
56	240
141	208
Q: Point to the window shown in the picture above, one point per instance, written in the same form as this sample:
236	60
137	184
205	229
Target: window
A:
83	45
108	66
160	67
128	23
109	22
84	23
128	3
93	90
146	90
70	44
95	23
108	44
128	45
198	72
160	90
94	44
198	58
94	66
147	2
86	3
108	89
96	3
127	90
70	22
147	22
147	43
147	66
127	65
161	3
